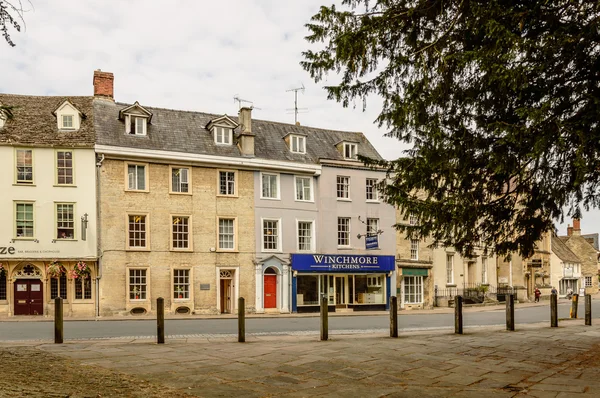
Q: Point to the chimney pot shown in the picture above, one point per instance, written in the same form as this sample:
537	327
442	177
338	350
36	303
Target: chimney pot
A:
103	84
569	230
576	226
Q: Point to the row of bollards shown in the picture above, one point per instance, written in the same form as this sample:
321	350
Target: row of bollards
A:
324	320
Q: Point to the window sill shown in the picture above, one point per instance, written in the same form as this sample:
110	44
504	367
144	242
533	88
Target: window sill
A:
138	249
65	185
83	301
271	251
226	251
25	239
182	300
226	196
137	190
344	200
373	201
64	240
450	285
345	247
23	184
305	201
269	198
180	193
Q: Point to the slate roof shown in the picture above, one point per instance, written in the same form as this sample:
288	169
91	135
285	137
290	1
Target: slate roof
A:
185	131
35	124
562	251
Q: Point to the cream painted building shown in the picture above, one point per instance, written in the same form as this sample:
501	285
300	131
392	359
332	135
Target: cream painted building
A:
47	206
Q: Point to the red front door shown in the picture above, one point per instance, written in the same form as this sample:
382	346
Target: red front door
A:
270	284
29	297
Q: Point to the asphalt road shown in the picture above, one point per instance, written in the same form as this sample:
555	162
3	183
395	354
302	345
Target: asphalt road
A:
44	330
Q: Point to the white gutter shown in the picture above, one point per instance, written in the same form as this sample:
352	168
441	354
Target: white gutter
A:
179	157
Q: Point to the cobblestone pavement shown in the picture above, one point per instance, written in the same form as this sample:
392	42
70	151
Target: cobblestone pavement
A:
534	361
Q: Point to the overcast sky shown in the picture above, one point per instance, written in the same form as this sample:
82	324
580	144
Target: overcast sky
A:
189	55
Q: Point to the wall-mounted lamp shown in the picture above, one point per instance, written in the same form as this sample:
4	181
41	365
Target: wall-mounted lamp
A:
84	224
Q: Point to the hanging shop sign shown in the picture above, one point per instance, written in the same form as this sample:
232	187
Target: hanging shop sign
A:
372	242
342	263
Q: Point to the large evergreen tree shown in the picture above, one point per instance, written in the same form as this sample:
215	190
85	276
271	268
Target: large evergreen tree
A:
11	16
499	99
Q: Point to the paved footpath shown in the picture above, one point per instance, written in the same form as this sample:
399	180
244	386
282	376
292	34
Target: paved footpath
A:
534	361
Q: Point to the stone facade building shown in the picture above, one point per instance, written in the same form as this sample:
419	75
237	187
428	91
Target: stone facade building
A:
47	206
588	256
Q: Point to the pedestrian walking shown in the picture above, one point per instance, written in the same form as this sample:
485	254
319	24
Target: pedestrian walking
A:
537	294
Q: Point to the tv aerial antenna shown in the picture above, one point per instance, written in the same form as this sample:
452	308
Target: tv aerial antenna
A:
242	102
295	108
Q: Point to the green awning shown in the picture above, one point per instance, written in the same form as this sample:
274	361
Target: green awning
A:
414	271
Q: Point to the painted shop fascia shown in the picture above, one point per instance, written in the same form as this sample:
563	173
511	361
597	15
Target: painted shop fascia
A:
353	282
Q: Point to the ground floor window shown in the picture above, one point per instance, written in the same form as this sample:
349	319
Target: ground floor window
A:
2	285
137	284
181	283
58	287
340	289
568	284
413	289
83	288
588	281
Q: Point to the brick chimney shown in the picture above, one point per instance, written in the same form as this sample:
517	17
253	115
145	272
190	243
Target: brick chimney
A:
103	84
576	227
569	230
246	142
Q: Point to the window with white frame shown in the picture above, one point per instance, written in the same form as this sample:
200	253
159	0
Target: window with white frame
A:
24	160
413	289
588	281
343	187
223	135
83	287
271	235
371	189
65	221
227	183
226	234
305	238
181	283
180	179
64	167
137	284
350	150
343	231
136	231
304	189
180	232
67	121
136	177
298	144
372	226
136	125
412	219
270	186
449	269
58	287
484	277
24	222
414	249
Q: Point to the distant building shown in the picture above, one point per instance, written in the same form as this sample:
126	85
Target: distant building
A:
588	255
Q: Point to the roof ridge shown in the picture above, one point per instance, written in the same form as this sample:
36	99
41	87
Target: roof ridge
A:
47	96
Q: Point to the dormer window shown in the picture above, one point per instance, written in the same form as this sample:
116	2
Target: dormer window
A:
67	121
223	135
136	119
298	144
136	124
67	116
350	150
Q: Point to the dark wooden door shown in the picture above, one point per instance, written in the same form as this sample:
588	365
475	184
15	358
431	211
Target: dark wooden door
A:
270	284
29	294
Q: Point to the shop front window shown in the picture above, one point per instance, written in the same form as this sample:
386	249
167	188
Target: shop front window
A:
307	290
413	289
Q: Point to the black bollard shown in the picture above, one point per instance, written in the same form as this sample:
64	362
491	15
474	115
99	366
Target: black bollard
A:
510	312
588	310
241	320
160	319
393	316
458	315
554	311
324	320
58	321
574	306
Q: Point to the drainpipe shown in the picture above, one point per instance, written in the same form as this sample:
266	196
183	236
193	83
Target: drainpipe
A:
98	235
